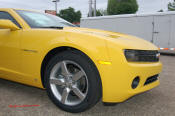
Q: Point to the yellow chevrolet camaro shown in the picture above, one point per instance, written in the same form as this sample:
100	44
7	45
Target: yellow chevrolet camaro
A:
76	66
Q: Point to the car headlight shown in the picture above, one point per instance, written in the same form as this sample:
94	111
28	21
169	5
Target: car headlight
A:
141	55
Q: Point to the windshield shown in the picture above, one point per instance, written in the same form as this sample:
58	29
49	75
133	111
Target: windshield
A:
42	20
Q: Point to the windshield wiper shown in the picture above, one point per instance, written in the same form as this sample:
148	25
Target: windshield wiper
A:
54	27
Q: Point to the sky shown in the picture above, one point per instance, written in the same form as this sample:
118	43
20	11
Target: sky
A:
145	6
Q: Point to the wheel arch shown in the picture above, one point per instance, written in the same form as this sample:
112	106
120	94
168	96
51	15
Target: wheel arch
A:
57	50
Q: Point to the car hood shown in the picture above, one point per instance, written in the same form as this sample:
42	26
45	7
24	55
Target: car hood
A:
127	41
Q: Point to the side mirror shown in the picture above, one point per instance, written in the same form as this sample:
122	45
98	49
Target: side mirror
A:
8	24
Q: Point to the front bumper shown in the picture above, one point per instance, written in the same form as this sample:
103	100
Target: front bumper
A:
117	80
117	77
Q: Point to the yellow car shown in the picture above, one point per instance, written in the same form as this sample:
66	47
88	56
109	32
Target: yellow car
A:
76	66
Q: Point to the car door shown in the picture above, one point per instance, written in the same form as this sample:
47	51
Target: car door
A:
9	49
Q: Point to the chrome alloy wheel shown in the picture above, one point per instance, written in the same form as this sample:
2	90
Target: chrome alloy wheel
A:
69	83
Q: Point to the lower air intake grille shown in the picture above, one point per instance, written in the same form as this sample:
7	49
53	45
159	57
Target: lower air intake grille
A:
151	79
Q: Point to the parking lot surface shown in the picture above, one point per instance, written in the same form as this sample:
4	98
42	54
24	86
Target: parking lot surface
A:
159	101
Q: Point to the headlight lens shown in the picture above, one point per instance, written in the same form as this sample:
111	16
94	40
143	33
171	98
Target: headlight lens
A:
142	55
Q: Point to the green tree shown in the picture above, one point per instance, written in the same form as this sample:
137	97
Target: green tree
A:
171	6
101	12
116	7
70	15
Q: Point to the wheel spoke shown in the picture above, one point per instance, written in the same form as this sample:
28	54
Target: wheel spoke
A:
64	69
68	82
78	93
77	76
65	95
57	81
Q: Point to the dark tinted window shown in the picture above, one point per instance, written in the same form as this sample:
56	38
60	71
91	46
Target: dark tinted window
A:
5	15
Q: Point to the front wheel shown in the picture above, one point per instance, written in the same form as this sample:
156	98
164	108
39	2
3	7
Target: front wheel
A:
72	81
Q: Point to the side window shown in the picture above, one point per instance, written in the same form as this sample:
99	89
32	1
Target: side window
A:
5	15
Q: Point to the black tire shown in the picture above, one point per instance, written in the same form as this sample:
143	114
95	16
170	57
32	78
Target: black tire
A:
94	93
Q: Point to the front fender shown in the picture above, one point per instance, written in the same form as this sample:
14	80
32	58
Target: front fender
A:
94	48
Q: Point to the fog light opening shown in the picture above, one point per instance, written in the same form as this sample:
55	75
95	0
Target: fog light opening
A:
135	82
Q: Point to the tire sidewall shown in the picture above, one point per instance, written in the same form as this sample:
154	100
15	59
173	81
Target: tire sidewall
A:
91	74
